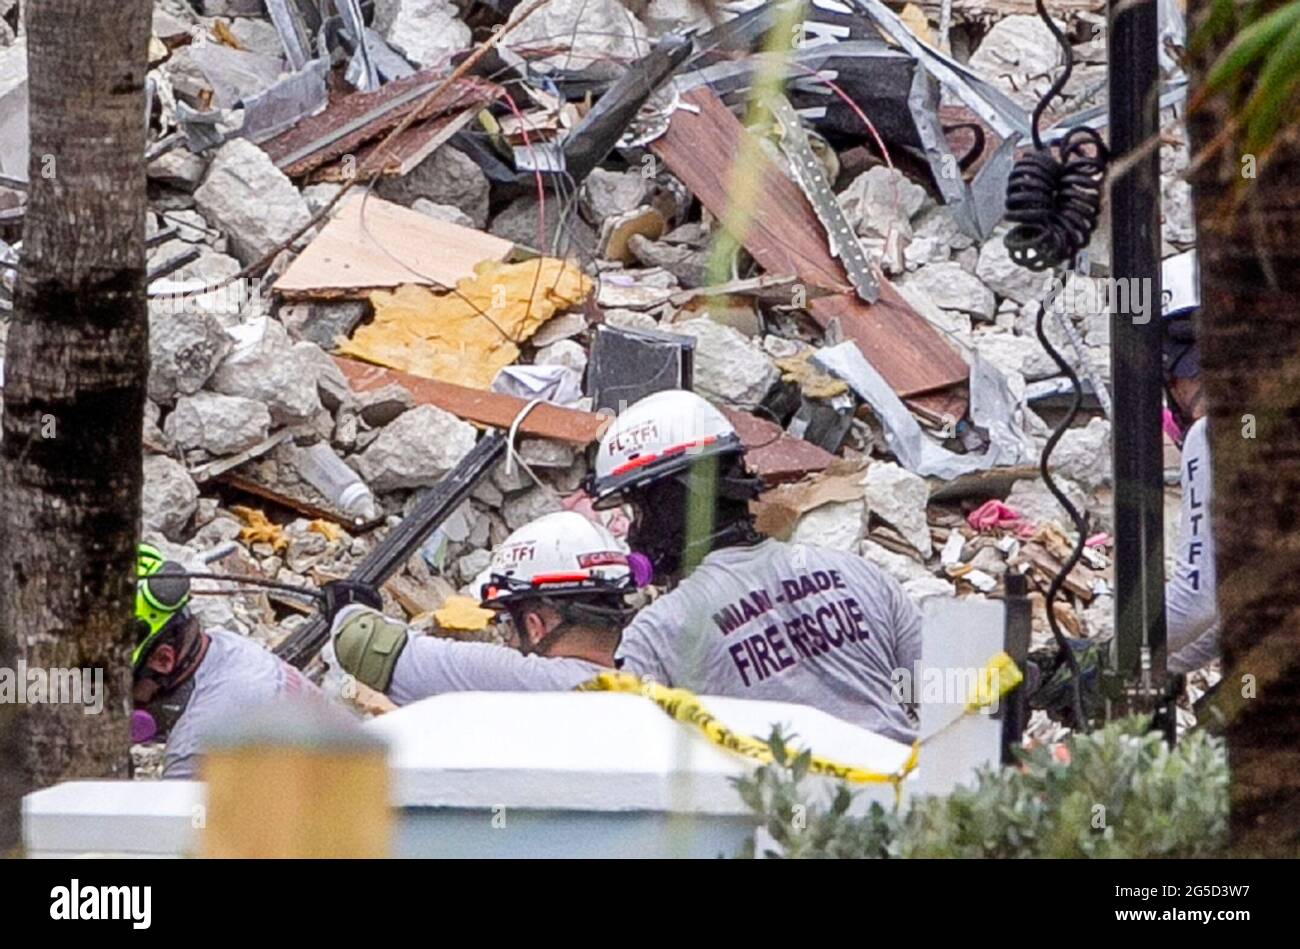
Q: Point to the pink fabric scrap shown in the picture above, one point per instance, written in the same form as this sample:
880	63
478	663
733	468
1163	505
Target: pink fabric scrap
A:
994	515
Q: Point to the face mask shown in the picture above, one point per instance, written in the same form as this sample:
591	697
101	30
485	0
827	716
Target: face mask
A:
143	726
643	570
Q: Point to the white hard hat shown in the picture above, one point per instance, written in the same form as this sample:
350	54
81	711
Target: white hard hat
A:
660	435
560	554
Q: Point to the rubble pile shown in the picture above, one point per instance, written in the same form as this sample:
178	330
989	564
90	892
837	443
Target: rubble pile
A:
540	226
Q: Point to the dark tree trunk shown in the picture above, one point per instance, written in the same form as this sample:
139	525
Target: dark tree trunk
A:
1249	233
75	371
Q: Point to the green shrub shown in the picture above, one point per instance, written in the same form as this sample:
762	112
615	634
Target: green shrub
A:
1121	793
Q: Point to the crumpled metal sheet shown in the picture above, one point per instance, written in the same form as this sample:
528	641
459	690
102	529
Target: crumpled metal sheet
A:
285	104
234	73
992	407
987	101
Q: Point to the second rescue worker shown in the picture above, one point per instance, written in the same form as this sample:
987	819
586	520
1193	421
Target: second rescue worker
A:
754	617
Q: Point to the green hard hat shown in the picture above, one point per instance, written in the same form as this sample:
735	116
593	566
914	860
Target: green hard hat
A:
160	594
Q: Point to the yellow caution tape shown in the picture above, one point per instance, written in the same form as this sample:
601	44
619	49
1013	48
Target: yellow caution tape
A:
998	677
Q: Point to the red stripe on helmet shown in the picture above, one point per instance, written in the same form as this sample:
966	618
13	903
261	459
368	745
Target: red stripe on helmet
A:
543	578
674	450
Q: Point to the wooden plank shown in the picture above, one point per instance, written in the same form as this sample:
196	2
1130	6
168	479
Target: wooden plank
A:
392	246
477	405
785	237
401	157
771	453
356	118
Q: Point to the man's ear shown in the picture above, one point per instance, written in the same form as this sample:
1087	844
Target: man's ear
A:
163	659
535	627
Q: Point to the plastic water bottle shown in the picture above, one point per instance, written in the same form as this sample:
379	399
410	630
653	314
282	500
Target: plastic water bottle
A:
328	474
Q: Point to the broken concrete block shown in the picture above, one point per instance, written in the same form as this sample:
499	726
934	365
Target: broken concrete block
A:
546	453
899	498
528	506
1083	454
264	366
598	33
952	288
169	499
1030	498
179	168
518	221
448	176
610	193
426	32
380	407
416	450
901	567
882	201
839	525
1020	56
185	348
563	353
509	480
1021	355
728	367
217	424
1007	278
323	322
331	385
251	200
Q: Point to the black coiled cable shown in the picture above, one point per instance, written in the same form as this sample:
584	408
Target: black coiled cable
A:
1054	199
1054	202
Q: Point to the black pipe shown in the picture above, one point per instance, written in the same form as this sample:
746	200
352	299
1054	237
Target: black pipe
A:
1135	345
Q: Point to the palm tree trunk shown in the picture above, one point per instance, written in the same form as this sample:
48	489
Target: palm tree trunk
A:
1249	234
75	372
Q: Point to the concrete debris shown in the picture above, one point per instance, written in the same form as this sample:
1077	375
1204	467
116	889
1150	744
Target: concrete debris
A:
952	288
251	200
728	367
592	34
448	176
611	193
1020	56
170	497
217	424
264	365
185	349
1005	278
384	340
899	497
881	202
529	506
426	32
1083	454
415	450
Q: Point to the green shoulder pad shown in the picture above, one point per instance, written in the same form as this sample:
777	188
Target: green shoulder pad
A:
367	647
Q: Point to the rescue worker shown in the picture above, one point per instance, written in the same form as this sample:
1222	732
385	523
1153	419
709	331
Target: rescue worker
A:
1190	601
185	679
561	581
749	616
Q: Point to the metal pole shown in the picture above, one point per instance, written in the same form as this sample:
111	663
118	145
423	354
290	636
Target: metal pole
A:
1135	350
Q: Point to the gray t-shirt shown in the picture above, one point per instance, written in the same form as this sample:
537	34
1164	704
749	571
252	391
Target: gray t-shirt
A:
784	622
235	674
430	665
1190	599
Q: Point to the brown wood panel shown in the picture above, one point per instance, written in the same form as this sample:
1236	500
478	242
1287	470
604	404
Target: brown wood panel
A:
784	236
771	453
